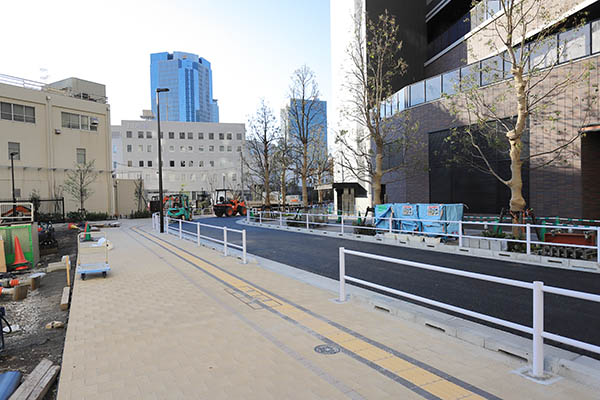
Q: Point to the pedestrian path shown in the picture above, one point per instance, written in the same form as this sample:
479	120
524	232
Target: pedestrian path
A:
173	321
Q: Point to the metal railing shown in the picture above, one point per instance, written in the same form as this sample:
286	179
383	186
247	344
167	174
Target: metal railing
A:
16	212
196	233
346	225
538	288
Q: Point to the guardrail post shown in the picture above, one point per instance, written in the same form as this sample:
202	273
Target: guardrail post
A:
598	245
260	217
179	229
342	276
248	215
225	241
198	234
307	221
342	224
391	219
528	238
167	223
280	219
244	247
460	234
538	329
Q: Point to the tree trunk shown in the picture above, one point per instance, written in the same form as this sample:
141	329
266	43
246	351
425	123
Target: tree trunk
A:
304	174
320	182
515	184
282	186
378	174
267	188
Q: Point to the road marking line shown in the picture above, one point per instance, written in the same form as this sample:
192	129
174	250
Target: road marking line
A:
417	378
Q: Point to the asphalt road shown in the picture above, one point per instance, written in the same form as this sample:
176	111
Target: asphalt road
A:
573	318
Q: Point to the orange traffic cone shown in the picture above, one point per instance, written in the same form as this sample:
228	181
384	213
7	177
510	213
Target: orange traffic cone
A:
19	256
88	236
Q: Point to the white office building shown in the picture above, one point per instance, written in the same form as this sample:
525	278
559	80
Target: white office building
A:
197	157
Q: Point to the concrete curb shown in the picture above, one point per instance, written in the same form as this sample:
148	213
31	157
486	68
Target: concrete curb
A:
561	362
402	240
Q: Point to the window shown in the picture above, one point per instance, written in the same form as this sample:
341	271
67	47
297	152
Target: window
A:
190	148
417	93
574	43
595	36
14	147
229	136
6	111
211	148
469	77
201	163
233	177
171	163
149	148
93	124
182	149
211	136
140	148
200	148
221	149
181	135
141	163
70	120
221	136
491	70
191	163
182	163
229	149
129	163
129	134
200	135
171	148
238	136
171	135
140	134
129	148
85	122
162	135
115	148
190	135
114	165
239	149
212	163
433	89
17	112
149	163
544	54
148	135
80	156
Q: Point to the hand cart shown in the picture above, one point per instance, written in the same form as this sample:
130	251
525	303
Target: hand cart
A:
92	255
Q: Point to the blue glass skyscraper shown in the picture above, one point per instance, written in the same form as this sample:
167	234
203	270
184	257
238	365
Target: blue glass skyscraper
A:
189	79
315	119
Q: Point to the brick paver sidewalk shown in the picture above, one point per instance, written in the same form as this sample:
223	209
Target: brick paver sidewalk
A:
174	321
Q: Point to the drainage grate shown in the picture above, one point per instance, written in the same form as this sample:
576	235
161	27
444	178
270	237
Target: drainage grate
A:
327	349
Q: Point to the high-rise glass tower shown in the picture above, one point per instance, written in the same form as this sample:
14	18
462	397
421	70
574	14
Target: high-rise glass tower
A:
189	79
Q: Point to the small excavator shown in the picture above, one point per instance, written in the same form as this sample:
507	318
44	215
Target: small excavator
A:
228	205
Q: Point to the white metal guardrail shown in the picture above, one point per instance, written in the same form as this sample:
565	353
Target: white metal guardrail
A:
308	220
16	212
538	288
196	232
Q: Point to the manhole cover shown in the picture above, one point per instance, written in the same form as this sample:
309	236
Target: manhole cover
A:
327	349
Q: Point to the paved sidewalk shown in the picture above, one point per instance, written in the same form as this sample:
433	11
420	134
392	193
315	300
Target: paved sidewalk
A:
176	321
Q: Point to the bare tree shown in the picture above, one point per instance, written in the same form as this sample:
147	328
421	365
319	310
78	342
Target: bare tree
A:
305	121
79	180
263	135
497	120
139	196
284	155
322	163
374	54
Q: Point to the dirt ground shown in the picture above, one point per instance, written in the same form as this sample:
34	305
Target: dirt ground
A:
25	348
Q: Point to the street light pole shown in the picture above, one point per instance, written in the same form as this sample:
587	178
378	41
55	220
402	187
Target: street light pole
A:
160	182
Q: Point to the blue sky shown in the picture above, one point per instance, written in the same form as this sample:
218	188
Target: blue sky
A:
253	45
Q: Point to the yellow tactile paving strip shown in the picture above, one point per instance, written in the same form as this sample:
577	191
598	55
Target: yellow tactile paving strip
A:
420	380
